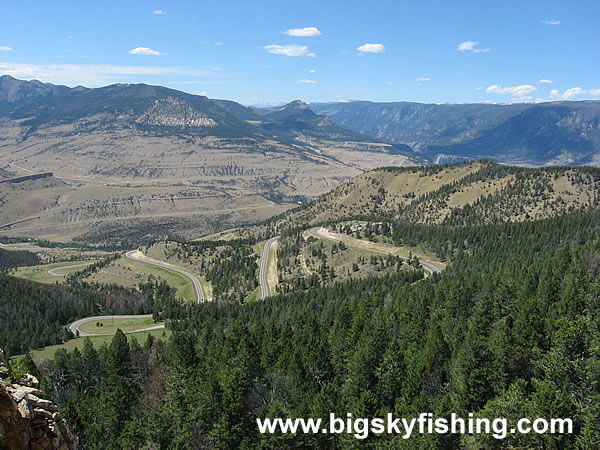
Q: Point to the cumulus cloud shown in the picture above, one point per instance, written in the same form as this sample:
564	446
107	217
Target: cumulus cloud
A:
546	81
550	22
4	48
306	81
289	50
159	12
303	32
471	46
573	93
144	51
371	48
518	92
312	70
422	79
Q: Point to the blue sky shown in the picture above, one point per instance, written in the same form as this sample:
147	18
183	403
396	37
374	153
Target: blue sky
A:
277	51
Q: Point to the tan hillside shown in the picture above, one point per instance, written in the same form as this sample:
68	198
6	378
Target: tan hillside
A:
477	192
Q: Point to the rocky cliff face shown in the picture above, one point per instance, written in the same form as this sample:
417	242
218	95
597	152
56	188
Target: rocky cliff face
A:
172	112
27	421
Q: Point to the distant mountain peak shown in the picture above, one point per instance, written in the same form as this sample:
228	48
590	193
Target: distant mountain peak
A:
297	103
297	108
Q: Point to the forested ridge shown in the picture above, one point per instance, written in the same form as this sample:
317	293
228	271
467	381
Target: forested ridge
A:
230	266
9	259
473	193
510	329
39	312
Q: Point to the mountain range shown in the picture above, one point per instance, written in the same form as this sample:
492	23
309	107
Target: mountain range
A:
158	110
554	133
566	133
134	157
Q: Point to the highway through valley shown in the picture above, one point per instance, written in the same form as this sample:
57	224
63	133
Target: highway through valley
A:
135	255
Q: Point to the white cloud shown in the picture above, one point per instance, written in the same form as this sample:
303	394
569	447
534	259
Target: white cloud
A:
307	81
519	92
389	83
303	32
471	46
159	12
422	79
574	93
93	75
144	51
4	48
550	22
289	50
313	70
371	48
467	45
546	81
480	88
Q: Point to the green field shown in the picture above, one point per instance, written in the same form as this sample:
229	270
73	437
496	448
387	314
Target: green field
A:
40	273
110	326
98	341
254	296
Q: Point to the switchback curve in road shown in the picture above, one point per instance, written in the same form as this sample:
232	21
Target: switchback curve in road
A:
52	271
136	255
74	327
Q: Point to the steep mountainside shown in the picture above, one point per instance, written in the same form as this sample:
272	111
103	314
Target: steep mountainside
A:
536	134
151	108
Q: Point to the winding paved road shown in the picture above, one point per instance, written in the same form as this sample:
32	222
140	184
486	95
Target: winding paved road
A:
52	271
315	232
195	281
264	263
74	327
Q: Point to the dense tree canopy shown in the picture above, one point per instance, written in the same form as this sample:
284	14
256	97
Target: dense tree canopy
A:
510	329
34	315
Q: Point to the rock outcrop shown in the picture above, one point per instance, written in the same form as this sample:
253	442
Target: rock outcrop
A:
27	421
